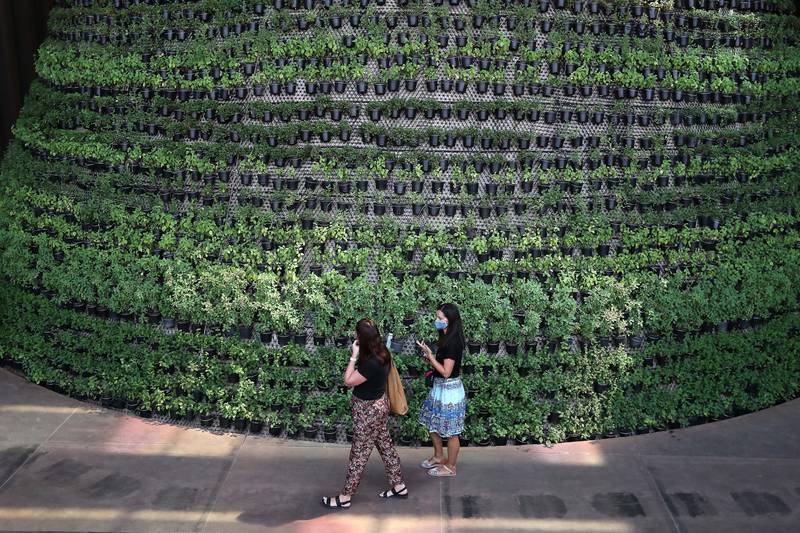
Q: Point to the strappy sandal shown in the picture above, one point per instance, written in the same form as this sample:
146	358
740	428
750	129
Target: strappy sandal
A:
402	493
442	471
428	464
334	503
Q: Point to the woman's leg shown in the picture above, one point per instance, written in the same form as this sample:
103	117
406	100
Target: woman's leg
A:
453	442
389	455
425	415
453	447
363	441
438	451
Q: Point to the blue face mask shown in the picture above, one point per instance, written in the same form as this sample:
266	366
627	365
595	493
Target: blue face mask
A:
440	324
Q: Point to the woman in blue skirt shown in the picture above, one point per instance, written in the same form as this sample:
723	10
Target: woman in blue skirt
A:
443	411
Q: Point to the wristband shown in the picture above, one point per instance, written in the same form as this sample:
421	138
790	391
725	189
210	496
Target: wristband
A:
353	359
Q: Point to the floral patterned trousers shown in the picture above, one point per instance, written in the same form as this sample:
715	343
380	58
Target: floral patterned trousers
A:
370	430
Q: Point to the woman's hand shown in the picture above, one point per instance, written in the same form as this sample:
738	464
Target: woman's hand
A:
354	349
426	351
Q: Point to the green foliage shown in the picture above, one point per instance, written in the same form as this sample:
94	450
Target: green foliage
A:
148	179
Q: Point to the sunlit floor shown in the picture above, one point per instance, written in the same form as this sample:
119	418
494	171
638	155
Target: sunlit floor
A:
68	466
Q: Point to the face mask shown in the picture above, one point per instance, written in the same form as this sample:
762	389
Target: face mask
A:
440	324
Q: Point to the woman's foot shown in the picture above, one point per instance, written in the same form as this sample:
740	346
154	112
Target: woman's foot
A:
333	502
432	462
398	491
443	470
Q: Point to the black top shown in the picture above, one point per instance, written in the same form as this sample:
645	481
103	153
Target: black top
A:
454	349
376	375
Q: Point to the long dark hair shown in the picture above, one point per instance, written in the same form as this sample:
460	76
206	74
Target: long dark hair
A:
455	328
370	342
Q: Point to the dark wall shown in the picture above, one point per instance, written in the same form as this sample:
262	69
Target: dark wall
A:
23	27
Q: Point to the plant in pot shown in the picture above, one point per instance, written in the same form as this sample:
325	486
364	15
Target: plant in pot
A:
228	412
572	179
581	78
597	234
509	331
401	180
476	432
319	306
206	412
329	427
379	172
561	313
145	401
222	290
278	310
156	401
506	178
272	421
244	414
526	180
306	422
530	298
601	80
408	430
545	178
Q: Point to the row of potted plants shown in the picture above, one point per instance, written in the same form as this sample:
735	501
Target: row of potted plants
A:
584	64
764	188
513	385
192	245
258	7
726	198
264	287
297	129
616	172
212	21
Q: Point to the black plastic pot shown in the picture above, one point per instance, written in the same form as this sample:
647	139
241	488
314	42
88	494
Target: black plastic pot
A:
330	434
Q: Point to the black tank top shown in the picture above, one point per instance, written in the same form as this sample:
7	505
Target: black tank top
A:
454	349
376	375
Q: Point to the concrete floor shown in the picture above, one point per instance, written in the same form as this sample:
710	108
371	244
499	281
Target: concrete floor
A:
69	466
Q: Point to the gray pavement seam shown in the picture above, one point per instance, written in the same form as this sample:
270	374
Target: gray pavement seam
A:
442	518
37	449
201	523
655	486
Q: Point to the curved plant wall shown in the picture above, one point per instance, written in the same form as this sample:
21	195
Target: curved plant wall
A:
203	197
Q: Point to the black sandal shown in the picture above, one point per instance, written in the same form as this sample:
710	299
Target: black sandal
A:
334	503
402	493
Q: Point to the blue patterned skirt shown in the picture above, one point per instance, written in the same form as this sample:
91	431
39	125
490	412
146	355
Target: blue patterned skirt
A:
444	409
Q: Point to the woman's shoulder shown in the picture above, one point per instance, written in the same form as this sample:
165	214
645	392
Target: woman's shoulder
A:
375	362
454	347
372	361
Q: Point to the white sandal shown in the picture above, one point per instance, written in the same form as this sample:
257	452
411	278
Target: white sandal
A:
444	472
427	464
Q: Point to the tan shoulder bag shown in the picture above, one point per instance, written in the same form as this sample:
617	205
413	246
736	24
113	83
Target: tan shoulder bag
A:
397	396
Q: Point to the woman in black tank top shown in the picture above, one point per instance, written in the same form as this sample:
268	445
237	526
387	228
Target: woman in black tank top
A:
444	409
369	366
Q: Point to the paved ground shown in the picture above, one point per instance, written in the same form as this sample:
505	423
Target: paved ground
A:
69	466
